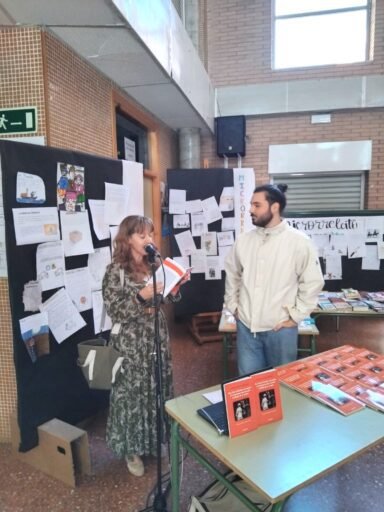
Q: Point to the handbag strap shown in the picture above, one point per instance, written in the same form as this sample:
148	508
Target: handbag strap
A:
103	310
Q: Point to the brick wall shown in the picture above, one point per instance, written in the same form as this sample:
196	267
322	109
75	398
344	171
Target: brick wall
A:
239	52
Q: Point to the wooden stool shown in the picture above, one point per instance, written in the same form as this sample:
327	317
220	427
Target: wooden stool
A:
204	327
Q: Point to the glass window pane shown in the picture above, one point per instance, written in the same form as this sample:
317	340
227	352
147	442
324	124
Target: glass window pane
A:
319	40
283	7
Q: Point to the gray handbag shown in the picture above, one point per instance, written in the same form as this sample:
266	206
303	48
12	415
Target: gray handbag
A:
98	360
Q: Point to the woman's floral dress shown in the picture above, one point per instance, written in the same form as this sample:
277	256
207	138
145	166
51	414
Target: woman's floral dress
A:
131	425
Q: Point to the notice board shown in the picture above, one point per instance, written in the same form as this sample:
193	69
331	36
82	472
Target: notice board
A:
53	386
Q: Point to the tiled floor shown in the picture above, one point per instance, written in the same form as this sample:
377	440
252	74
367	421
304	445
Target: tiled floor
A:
356	486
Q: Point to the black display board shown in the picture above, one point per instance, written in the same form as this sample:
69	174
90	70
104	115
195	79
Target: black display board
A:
353	275
199	295
53	386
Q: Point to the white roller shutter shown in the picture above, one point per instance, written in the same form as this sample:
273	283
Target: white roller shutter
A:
330	192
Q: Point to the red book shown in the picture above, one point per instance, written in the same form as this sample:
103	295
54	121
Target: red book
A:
252	401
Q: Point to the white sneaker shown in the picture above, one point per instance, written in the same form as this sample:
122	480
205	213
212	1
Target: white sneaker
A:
135	465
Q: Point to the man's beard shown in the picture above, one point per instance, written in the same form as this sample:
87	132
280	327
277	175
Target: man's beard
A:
263	220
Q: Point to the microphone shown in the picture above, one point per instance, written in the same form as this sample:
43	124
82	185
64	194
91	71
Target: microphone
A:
151	251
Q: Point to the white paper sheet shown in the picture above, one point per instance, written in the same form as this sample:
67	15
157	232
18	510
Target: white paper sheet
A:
185	243
333	267
177	200
225	238
356	245
181	221
116	203
211	210
100	227
227	199
380	250
223	251
209	243
32	296
97	263
199	224
214	396
373	229
76	233
213	268
228	224
133	178
30	189
50	265
97	302
36	225
198	262
78	286
194	206
371	259
339	243
321	242
63	317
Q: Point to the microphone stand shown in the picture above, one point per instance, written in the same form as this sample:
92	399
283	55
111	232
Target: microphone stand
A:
159	501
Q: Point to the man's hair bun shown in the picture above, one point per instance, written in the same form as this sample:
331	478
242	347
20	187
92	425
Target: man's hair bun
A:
282	187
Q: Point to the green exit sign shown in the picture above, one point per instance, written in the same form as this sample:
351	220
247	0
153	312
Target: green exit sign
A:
18	120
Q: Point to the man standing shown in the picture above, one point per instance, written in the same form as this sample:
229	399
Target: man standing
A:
273	278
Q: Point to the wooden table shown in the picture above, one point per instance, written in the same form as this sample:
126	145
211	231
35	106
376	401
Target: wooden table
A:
227	327
277	459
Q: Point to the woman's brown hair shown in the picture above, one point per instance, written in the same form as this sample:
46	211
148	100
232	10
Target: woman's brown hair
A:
122	251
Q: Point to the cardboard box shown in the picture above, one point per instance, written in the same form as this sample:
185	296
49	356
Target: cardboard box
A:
62	452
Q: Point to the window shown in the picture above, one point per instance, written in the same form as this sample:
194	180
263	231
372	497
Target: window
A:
323	192
320	32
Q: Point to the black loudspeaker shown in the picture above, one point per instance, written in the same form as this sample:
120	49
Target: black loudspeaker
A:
230	135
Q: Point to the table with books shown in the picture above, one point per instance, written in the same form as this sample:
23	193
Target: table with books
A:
322	397
350	303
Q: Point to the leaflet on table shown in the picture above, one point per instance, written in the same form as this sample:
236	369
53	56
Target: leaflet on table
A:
252	401
36	225
169	274
63	317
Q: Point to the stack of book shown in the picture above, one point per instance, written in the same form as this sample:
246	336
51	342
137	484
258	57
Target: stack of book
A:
358	305
377	296
375	305
340	303
326	305
351	293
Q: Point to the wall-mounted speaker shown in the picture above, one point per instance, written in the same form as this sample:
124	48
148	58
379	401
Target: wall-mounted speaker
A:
230	135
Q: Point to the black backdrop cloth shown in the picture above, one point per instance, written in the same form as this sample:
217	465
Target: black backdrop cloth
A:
53	386
199	295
